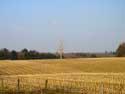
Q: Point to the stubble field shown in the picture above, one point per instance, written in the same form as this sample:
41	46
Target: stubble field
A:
79	76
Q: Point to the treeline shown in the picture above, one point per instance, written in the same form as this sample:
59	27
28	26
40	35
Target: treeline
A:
25	55
89	55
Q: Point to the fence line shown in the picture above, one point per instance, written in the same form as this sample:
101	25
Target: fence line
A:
54	86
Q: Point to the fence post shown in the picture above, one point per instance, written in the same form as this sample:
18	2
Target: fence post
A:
121	88
46	83
18	85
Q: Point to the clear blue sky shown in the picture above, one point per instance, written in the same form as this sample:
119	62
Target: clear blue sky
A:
83	25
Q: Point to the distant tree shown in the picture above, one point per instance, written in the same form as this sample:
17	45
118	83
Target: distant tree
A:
13	55
83	55
50	56
120	52
33	54
24	54
4	54
93	55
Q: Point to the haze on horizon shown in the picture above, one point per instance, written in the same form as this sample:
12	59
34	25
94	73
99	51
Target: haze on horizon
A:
83	25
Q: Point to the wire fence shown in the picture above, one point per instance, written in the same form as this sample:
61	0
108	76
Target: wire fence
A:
59	86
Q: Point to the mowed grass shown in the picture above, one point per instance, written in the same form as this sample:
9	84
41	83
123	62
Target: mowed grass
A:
88	74
92	65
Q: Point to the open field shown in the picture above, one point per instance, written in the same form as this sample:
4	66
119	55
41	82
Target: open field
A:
65	83
68	76
92	65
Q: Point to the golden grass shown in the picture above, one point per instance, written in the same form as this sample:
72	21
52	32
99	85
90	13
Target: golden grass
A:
91	65
91	83
88	73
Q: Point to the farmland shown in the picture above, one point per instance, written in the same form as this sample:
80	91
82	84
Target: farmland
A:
67	76
93	65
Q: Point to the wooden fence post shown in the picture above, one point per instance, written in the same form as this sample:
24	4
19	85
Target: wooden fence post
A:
121	88
18	85
46	83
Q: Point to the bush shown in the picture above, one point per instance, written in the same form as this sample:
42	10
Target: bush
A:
120	52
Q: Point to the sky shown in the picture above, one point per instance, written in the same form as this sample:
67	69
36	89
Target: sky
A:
82	25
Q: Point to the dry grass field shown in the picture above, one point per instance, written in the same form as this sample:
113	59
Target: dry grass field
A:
91	65
79	76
